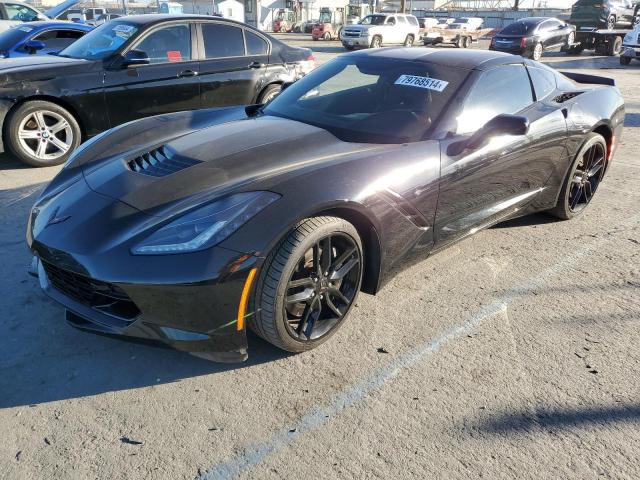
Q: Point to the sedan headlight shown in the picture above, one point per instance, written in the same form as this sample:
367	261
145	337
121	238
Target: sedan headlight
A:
206	226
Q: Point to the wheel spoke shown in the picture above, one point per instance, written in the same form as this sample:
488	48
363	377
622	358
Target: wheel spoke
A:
342	271
316	258
325	258
59	144
309	318
577	195
59	126
587	192
29	134
332	307
301	282
342	258
300	297
596	167
336	292
577	177
39	118
41	150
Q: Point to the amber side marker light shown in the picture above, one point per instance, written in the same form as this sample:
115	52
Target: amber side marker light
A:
244	298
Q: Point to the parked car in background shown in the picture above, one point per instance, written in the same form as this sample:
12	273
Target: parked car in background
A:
428	22
81	14
359	170
15	13
381	29
609	14
104	18
135	67
469	24
631	46
40	38
532	36
307	27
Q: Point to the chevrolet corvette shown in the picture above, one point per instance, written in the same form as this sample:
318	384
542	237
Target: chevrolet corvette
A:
191	227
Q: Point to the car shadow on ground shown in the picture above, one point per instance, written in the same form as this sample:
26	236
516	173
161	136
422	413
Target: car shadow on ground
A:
42	359
9	162
632	120
519	422
527	221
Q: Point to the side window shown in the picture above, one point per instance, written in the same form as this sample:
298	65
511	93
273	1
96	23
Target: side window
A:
222	41
20	12
401	20
504	89
544	82
167	44
413	20
58	39
255	44
391	21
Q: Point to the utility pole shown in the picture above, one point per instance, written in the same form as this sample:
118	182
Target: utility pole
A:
403	5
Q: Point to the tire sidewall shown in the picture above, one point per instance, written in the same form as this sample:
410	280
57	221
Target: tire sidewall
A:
13	123
269	90
276	313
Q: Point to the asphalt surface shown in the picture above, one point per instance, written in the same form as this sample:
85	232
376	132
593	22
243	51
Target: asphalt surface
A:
513	354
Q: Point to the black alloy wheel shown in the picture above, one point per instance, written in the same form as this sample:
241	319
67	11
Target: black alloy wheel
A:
309	284
584	178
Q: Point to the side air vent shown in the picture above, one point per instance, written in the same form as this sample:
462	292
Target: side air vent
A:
160	162
566	96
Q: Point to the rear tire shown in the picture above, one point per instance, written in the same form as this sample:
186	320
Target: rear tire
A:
537	52
625	60
41	134
298	258
408	42
269	93
564	209
613	48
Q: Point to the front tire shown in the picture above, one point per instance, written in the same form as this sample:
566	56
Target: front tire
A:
42	134
583	178
614	47
308	284
376	42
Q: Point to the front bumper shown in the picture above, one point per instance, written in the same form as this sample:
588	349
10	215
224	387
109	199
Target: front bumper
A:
356	42
200	318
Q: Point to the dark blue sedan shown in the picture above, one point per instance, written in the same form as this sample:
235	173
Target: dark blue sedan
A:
39	38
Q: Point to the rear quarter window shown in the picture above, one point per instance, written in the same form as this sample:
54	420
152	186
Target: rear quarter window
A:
544	82
412	20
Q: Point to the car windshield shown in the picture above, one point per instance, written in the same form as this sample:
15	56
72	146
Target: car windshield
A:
371	100
517	28
10	37
101	42
373	20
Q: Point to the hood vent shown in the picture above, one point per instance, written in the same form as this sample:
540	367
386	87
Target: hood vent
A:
160	162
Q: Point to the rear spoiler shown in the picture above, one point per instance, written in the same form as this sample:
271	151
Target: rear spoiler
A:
584	78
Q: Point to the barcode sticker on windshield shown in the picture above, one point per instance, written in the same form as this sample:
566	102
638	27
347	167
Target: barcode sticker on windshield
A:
422	82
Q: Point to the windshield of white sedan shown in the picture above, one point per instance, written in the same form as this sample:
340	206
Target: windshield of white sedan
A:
101	42
371	100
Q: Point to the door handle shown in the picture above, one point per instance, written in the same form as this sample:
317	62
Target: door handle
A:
256	65
187	73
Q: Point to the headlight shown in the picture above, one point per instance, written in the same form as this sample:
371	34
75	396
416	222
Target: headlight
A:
206	226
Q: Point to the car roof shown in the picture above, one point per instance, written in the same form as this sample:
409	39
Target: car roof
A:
533	20
151	18
55	23
468	59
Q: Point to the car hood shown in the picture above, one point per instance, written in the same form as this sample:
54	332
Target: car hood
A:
37	63
246	154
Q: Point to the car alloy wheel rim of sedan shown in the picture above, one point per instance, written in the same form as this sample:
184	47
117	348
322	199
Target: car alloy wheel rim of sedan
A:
45	135
586	178
322	287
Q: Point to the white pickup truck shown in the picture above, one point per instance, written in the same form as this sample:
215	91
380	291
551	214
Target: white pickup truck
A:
381	29
630	46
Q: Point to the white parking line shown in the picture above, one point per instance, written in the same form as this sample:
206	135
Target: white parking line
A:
254	454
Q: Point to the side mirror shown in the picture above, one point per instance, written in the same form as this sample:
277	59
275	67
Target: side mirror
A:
134	58
32	46
500	125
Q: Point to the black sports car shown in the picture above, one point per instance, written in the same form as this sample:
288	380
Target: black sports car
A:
135	67
531	37
189	227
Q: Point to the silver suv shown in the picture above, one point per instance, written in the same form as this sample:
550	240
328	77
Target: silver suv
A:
381	29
